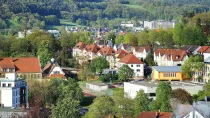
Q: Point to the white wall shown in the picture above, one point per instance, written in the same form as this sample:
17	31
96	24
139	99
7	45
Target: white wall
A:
96	87
6	97
134	67
57	68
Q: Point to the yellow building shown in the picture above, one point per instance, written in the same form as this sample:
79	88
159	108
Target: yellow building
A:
167	73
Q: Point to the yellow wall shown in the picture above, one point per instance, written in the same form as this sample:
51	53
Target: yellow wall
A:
159	76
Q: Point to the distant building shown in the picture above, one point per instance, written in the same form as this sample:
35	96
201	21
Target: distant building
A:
24	33
13	91
55	33
96	86
169	73
103	42
131	88
141	52
109	71
127	24
159	24
191	49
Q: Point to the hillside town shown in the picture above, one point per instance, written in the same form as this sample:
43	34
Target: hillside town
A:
105	59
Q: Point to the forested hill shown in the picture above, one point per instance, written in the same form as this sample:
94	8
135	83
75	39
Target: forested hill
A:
38	13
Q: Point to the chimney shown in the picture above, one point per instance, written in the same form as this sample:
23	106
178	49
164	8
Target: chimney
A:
157	114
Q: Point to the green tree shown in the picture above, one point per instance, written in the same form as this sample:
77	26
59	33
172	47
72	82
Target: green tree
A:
192	64
182	96
111	36
143	38
125	73
85	73
66	108
178	34
44	53
98	64
207	89
149	60
130	38
153	106
163	96
141	102
123	104
119	39
101	107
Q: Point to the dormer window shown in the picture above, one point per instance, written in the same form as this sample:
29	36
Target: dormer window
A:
177	57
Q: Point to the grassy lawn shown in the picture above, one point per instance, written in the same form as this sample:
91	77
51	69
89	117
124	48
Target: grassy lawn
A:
63	23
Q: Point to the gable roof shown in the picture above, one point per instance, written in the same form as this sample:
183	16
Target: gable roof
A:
207	50
167	68
80	45
203	49
160	51
22	65
106	50
142	48
131	59
153	115
175	54
92	48
120	53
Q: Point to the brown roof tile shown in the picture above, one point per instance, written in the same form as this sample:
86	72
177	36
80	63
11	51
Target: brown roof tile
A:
153	115
175	54
203	49
92	48
80	45
22	65
131	59
142	48
120	53
106	50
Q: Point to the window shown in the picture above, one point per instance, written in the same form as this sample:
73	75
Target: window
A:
4	85
56	72
9	85
137	65
138	70
4	69
131	65
169	74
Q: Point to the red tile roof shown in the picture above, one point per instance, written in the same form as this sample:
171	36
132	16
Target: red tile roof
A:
22	65
203	49
131	59
92	48
106	50
153	115
80	45
120	53
175	54
207	50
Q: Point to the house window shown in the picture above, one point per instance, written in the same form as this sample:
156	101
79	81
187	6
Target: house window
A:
138	70
9	85
4	69
56	72
131	65
4	85
169	74
137	65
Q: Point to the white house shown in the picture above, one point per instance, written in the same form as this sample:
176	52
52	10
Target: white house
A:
159	24
127	24
90	51
134	63
53	70
141	52
170	57
131	88
13	91
55	33
78	49
96	86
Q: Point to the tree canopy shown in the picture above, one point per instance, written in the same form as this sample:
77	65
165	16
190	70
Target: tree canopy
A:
98	64
125	73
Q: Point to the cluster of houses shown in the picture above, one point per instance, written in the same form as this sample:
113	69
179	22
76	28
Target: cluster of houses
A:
169	61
